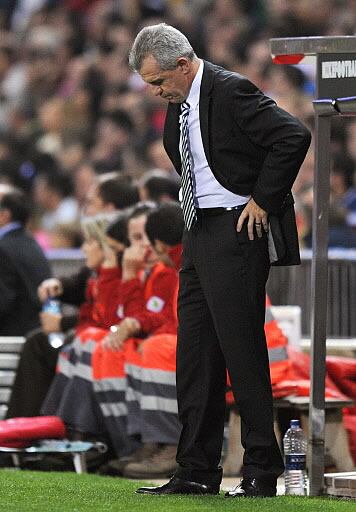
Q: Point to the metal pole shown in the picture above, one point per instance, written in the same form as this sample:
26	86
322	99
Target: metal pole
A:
334	97
319	285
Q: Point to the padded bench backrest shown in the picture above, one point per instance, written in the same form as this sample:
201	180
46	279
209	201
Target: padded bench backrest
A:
10	348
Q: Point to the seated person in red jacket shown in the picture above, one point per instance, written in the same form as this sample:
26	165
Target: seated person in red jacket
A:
148	372
100	310
153	312
148	291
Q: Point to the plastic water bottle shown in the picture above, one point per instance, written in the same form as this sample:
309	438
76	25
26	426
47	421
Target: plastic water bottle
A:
295	452
56	339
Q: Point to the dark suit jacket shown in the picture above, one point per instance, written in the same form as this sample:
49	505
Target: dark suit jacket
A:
23	266
252	146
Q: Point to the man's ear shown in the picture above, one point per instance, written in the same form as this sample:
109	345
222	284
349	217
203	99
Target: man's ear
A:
184	64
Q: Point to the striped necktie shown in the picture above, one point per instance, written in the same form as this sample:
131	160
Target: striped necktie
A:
188	207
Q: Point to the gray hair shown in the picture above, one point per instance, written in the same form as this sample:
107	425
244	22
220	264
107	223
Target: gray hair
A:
164	42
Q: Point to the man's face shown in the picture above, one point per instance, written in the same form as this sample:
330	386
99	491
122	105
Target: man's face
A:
172	85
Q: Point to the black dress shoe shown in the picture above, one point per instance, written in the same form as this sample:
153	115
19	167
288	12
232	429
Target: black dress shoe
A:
252	488
178	486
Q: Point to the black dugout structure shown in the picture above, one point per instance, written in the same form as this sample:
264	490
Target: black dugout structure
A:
335	96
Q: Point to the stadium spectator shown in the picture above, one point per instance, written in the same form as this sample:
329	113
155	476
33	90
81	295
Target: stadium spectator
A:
52	192
157	186
342	204
158	158
111	192
111	149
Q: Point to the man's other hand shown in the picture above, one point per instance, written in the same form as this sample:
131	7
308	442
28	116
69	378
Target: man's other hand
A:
255	217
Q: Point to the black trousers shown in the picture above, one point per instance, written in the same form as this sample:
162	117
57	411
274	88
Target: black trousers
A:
221	312
34	375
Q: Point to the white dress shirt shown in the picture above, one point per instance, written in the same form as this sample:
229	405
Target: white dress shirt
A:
208	192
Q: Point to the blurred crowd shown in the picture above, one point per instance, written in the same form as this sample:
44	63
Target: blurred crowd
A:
71	109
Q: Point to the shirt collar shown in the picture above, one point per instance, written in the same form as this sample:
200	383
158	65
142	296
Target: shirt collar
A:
11	226
194	93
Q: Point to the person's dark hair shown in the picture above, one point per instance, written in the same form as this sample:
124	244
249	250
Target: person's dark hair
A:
118	228
160	186
93	82
9	172
295	76
18	205
343	165
121	119
120	191
141	208
58	181
9	53
165	224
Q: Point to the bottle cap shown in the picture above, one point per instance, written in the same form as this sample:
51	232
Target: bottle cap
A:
294	423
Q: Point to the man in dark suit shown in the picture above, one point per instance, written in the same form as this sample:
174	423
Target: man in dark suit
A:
238	155
23	267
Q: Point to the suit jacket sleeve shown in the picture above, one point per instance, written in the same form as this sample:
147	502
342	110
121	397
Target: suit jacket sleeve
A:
285	139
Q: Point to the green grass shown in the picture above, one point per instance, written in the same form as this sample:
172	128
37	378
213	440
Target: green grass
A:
26	491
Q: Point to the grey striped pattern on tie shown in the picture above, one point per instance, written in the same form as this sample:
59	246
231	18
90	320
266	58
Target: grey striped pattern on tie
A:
188	207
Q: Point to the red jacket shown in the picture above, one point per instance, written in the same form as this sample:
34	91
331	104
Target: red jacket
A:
151	302
102	299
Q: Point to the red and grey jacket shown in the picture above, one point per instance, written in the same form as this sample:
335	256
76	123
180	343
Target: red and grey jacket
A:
103	296
151	302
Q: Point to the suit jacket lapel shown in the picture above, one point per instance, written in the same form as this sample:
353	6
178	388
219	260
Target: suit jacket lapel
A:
204	107
171	135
